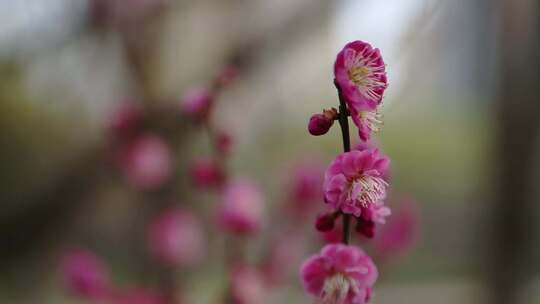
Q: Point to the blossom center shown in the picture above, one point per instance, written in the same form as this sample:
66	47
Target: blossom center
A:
367	189
336	289
358	75
367	74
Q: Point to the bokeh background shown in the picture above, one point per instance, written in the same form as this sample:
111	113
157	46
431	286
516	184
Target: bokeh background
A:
460	125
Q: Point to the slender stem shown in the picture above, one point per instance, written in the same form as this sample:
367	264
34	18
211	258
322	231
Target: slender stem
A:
343	120
344	124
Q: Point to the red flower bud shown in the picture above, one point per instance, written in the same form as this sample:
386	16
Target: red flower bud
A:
319	124
366	228
325	222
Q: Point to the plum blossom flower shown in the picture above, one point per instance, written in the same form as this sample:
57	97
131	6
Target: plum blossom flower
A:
359	71
305	192
360	74
242	207
401	232
85	275
196	103
175	238
340	274
247	285
354	181
205	173
147	162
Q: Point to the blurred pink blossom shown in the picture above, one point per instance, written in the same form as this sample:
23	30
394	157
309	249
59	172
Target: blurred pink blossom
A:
125	120
354	181
147	162
85	276
401	232
376	212
205	173
175	238
247	285
340	274
224	142
305	184
196	103
242	207
285	253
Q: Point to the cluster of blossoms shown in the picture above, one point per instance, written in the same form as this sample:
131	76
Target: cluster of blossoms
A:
175	238
355	184
240	209
87	277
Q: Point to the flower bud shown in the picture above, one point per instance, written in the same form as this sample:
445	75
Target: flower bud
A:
205	173
175	238
325	222
224	142
85	275
319	124
365	228
196	103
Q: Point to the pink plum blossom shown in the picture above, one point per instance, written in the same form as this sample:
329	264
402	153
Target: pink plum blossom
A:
205	173
175	238
85	275
305	186
340	274
401	232
242	207
147	162
354	182
247	285
364	145
360	74
196	103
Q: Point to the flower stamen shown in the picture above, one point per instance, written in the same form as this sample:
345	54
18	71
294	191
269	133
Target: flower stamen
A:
336	289
371	119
